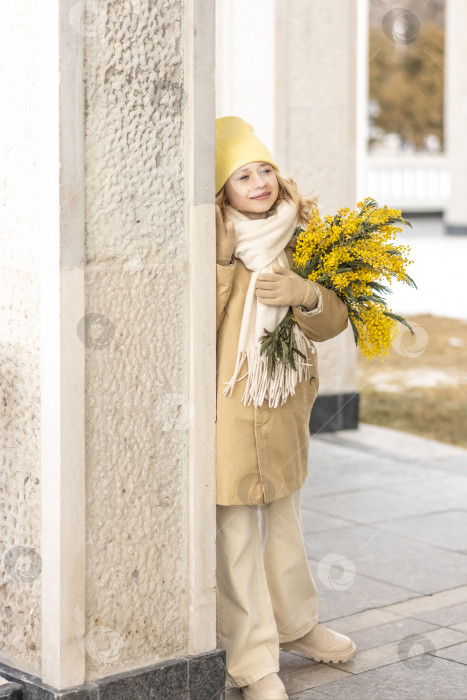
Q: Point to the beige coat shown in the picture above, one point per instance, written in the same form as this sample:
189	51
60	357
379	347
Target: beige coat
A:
262	453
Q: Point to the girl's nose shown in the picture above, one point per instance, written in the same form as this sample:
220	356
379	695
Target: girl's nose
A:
258	180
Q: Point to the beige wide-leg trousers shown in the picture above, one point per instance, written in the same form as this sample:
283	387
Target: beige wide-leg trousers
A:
265	591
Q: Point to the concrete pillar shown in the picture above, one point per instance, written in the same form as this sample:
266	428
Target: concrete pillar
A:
20	330
320	141
111	381
455	114
62	352
245	63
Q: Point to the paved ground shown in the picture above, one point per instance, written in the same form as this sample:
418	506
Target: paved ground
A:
385	524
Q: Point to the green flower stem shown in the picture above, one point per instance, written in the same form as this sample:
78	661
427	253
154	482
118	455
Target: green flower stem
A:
280	344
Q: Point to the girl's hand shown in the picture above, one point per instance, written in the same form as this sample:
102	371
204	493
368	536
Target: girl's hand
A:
225	239
285	288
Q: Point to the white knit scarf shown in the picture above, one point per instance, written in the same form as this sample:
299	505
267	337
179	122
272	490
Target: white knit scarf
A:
260	243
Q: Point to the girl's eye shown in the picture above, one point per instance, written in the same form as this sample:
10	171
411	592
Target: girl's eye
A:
266	170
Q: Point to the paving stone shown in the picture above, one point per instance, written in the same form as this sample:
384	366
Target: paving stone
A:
312	694
367	546
398	444
440	487
390	632
456	653
418	606
291	661
376	505
433	678
364	620
334	477
309	694
424	499
449	616
430	575
389	557
446	530
363	593
462	627
312	521
404	649
311	675
344	472
425	575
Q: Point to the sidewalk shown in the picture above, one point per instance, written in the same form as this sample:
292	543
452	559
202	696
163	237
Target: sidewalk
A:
385	525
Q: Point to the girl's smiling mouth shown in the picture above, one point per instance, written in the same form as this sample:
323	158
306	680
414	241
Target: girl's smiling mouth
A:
262	196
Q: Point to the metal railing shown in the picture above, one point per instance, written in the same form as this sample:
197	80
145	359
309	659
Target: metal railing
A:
412	183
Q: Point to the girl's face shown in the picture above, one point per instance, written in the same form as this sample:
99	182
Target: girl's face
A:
245	187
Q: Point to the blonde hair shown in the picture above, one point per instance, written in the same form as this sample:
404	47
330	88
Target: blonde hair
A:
307	206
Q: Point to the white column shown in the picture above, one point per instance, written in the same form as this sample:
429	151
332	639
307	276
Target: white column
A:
62	352
455	114
245	63
201	244
320	132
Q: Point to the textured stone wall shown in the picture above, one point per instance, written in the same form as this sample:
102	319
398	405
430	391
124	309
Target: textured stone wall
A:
20	581
136	335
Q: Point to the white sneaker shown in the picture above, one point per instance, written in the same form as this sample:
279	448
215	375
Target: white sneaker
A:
321	644
269	687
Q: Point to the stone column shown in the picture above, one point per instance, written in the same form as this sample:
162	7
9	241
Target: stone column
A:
455	114
120	547
320	115
245	63
20	330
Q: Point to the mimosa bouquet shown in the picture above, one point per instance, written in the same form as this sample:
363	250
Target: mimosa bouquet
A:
353	253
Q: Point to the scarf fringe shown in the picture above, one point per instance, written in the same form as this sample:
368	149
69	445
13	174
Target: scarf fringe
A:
259	386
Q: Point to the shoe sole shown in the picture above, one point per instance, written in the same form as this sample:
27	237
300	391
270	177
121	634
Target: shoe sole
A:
320	658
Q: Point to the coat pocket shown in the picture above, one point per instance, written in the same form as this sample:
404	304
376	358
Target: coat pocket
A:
312	360
313	386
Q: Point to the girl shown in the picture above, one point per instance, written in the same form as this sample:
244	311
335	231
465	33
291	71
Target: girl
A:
266	595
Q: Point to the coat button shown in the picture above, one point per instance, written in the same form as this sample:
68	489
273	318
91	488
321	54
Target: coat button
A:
254	489
262	415
250	490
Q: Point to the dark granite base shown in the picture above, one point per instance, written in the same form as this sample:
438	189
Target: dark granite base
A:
199	677
335	412
456	230
11	691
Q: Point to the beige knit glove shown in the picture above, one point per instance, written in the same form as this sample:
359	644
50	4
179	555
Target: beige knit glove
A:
285	288
225	239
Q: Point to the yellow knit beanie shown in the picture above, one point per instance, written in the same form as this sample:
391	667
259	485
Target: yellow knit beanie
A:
237	145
